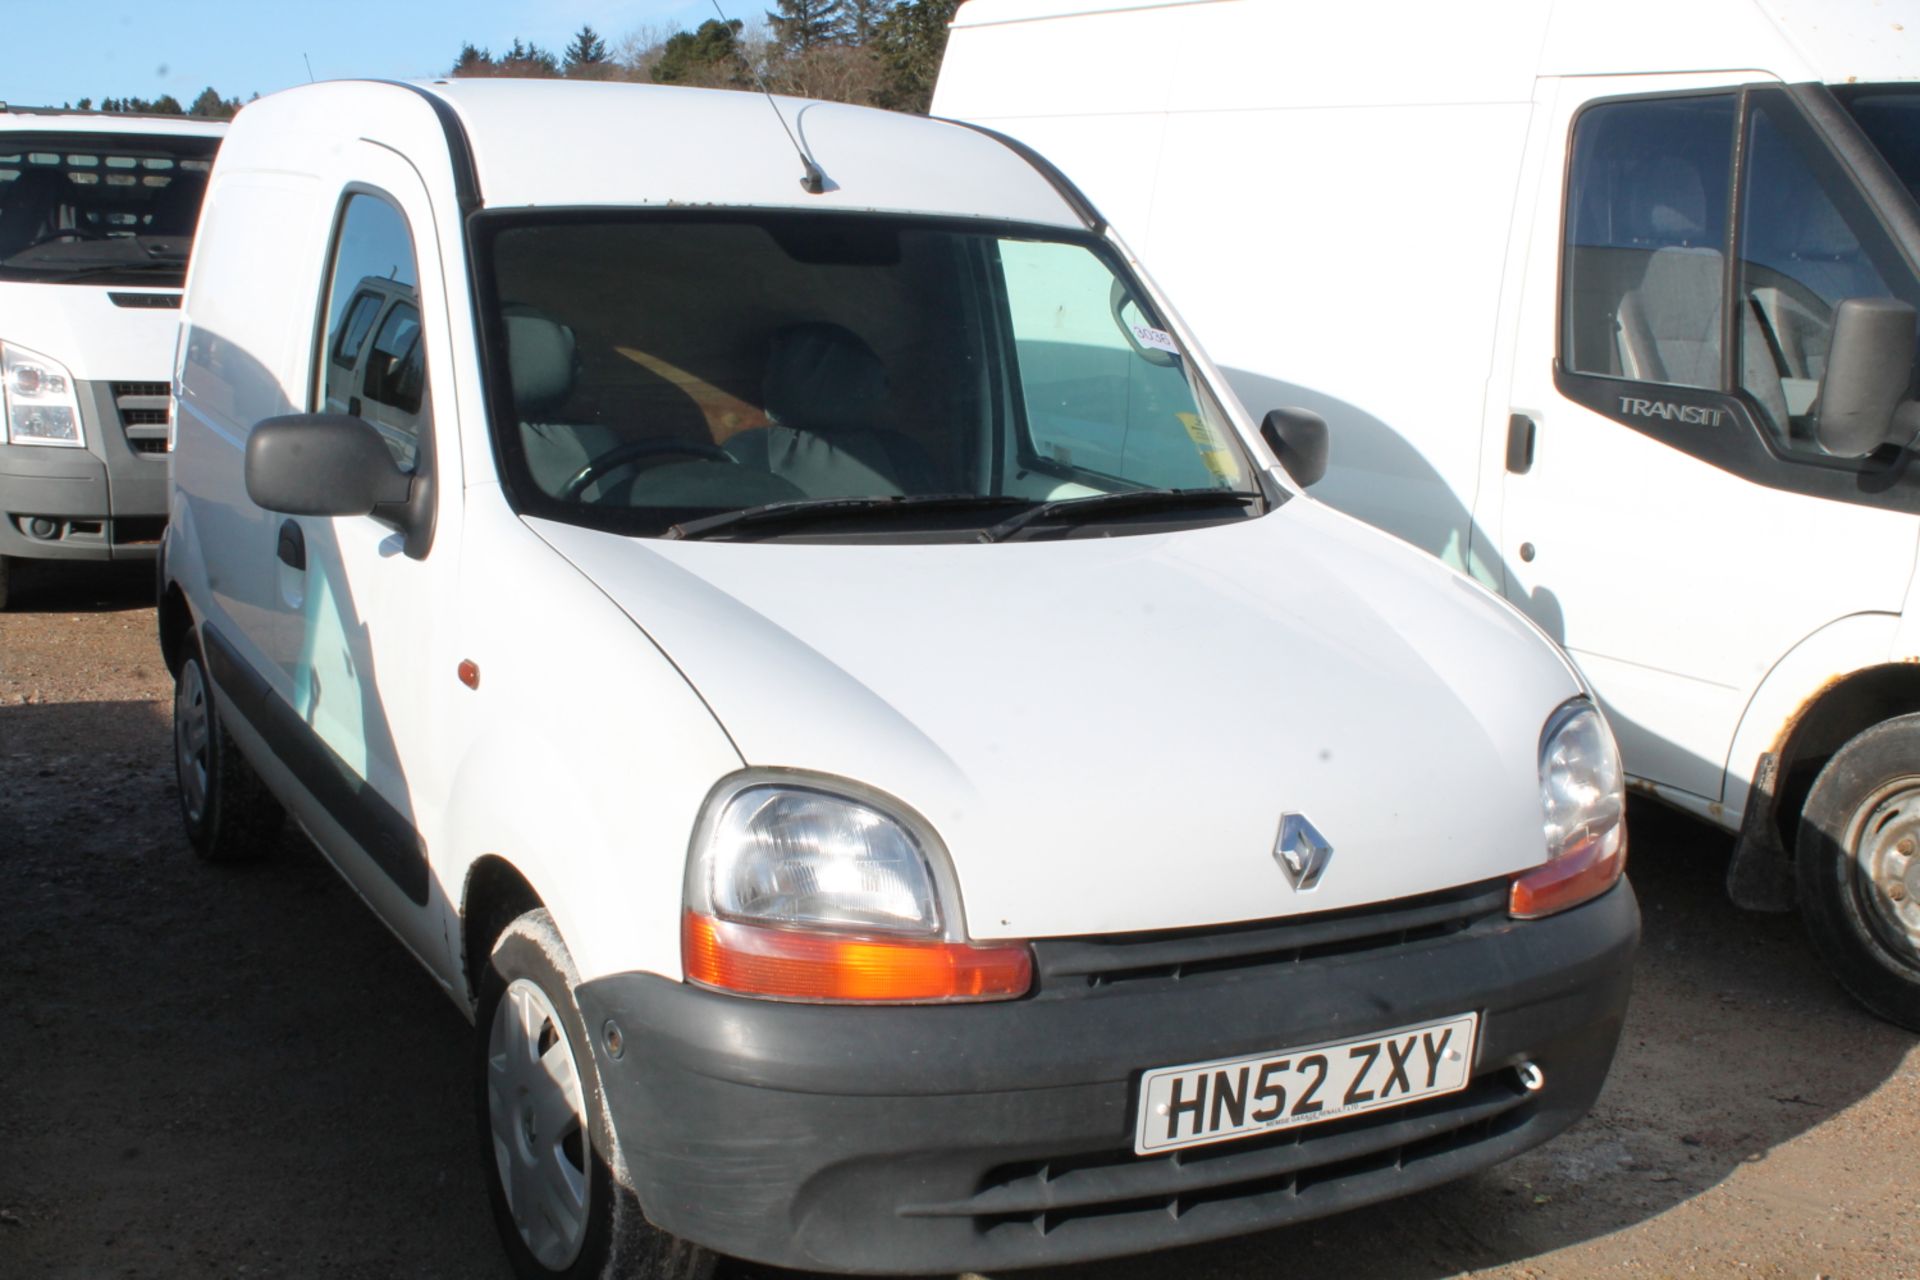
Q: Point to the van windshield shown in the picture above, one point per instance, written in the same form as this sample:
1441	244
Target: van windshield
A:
99	208
843	377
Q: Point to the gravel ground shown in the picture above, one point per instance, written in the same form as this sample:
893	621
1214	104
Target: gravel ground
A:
237	1072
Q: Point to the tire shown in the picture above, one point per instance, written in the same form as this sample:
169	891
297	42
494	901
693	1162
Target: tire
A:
544	1129
229	814
1857	861
6	578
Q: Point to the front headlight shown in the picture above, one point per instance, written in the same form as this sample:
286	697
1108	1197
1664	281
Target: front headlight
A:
797	891
797	857
1583	814
39	398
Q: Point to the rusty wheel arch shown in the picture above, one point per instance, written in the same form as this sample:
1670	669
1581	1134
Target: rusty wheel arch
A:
1760	877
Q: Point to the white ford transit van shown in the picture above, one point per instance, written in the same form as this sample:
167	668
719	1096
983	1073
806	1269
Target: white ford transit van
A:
96	220
1608	304
809	654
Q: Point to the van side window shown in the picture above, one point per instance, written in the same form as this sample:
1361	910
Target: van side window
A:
373	288
1646	240
1807	241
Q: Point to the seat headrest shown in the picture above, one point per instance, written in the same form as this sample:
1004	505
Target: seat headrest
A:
1666	203
539	359
822	375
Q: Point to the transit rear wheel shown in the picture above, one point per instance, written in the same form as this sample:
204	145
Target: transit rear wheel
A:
1858	864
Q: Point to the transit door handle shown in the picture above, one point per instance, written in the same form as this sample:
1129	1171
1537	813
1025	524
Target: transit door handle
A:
1519	444
293	546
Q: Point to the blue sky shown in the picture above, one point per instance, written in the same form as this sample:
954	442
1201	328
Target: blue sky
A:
59	51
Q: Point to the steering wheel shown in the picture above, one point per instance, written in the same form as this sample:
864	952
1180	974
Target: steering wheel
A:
639	453
1812	304
65	233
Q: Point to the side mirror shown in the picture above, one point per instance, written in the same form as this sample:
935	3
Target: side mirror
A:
332	464
1299	438
322	464
1869	368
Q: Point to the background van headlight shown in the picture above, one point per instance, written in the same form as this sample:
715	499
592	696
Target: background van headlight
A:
1583	807
39	399
802	891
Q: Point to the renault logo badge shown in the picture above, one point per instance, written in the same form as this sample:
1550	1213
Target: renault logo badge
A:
1302	852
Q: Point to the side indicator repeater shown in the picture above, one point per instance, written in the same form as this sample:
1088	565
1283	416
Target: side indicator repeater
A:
469	673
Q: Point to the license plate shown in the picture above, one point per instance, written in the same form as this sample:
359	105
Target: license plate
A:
1239	1097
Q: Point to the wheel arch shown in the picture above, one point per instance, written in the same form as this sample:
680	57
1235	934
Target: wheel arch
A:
1835	684
494	896
175	624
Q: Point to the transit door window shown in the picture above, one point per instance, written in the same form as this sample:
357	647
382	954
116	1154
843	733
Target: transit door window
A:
1646	240
375	361
1808	240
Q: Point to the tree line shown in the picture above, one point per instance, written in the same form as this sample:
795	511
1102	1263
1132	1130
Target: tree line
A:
208	106
883	53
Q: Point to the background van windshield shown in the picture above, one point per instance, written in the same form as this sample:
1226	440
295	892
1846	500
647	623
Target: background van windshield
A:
667	369
92	207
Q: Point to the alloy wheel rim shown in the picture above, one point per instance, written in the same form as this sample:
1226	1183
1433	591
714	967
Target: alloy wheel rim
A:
1884	840
536	1113
191	734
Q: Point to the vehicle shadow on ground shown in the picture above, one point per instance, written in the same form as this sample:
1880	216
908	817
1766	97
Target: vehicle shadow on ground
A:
209	1069
1730	1049
204	1068
81	586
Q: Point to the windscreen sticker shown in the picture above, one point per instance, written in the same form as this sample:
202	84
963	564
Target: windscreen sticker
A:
1213	453
1154	339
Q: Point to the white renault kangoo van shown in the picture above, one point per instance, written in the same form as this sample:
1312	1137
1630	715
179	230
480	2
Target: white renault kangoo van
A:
1610	306
768	602
96	221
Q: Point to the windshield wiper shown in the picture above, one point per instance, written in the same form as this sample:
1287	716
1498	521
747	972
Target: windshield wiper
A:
820	510
1078	510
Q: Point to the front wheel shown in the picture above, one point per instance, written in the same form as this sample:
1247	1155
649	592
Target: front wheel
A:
561	1197
6	579
1858	864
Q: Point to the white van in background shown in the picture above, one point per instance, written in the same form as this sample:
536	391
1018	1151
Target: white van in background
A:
97	213
1609	305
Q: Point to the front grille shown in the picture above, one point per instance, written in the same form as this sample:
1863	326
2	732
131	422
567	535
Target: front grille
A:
145	408
1067	964
1288	1174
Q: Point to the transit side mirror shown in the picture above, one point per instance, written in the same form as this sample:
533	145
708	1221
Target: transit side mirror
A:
332	464
1299	438
1863	402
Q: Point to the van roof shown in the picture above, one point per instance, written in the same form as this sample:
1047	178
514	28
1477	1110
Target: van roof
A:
1834	41
551	143
51	120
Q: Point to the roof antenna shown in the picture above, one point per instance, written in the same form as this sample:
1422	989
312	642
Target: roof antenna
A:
815	180
309	61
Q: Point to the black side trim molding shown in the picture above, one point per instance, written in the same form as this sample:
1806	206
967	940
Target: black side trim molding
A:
373	823
1076	199
1721	430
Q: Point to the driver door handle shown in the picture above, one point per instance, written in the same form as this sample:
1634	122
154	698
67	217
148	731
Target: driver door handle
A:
1520	432
293	546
